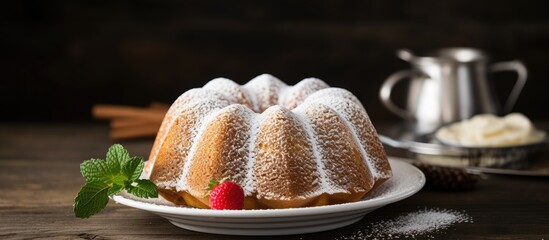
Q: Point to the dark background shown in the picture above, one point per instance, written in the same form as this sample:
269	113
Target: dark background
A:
58	58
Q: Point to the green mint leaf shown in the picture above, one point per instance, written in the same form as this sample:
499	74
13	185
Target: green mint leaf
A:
98	170
143	188
118	153
133	168
93	170
91	199
116	188
108	177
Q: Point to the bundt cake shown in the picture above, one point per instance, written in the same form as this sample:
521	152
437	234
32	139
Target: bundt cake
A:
287	146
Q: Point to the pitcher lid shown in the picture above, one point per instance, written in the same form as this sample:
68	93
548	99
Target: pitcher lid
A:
452	54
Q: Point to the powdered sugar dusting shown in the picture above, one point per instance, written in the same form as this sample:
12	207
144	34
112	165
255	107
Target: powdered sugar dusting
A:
206	112
249	184
292	136
285	167
230	90
183	101
265	90
339	150
422	223
350	109
325	185
296	94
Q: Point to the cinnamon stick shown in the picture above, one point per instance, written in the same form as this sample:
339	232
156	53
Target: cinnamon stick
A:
144	130
104	111
159	106
131	122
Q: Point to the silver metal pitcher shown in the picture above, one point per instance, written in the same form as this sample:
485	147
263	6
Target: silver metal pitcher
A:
449	85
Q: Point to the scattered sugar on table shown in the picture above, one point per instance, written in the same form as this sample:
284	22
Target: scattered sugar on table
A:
411	225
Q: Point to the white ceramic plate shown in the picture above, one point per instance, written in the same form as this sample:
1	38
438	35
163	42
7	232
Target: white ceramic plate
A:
406	181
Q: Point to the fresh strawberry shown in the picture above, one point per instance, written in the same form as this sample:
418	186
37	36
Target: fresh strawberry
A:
226	195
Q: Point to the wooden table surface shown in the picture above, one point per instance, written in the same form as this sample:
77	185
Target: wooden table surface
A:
39	178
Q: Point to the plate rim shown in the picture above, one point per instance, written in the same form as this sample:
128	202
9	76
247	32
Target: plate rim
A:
288	212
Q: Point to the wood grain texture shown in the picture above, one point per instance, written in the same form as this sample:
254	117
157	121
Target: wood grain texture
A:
39	178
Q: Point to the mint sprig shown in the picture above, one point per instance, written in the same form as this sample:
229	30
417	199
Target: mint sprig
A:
108	177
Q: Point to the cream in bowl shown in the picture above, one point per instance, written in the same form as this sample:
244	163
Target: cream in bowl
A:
487	130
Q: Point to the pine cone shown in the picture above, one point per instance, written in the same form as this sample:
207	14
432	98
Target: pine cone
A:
447	178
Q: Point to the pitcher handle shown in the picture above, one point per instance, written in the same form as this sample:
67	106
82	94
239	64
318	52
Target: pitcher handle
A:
522	73
387	88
